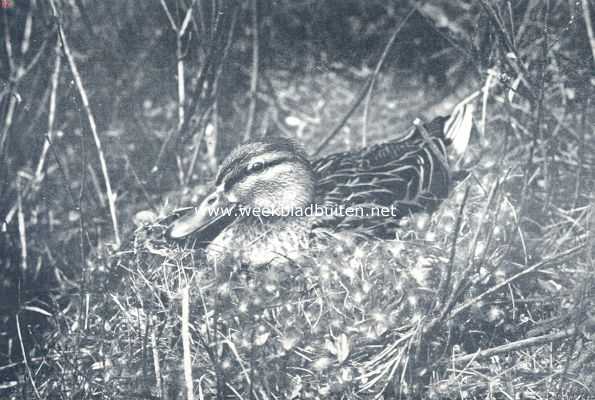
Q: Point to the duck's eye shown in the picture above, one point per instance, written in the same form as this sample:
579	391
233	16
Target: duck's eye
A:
256	167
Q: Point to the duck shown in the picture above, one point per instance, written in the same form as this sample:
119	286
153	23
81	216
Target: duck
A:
269	199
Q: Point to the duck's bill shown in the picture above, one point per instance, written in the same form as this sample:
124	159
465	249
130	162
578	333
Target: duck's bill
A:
204	222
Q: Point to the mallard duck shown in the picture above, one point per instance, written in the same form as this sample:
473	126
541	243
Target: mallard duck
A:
269	198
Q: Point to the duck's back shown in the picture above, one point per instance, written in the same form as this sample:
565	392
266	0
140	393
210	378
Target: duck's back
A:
401	177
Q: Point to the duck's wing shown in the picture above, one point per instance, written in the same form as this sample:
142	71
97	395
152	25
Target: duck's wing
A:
401	177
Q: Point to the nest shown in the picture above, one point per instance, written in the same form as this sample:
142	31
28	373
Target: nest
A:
430	313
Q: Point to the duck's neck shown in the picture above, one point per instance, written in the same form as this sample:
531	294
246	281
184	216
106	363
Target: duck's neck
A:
255	243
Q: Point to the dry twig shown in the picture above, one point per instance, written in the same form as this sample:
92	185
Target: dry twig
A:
589	26
515	346
186	343
366	90
111	196
255	67
24	354
515	277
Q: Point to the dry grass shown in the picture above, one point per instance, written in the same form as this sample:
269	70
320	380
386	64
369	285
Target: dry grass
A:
497	309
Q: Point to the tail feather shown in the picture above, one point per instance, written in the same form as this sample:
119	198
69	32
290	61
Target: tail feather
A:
457	129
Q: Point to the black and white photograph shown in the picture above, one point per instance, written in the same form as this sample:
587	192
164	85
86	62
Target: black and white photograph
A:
297	199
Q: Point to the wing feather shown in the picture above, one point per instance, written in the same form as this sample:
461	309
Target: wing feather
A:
405	173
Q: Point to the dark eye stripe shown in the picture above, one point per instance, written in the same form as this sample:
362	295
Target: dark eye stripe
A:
237	175
256	167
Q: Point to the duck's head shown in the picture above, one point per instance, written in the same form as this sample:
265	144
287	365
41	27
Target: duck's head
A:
271	174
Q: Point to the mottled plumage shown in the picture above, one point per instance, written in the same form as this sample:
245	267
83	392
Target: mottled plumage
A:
405	175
